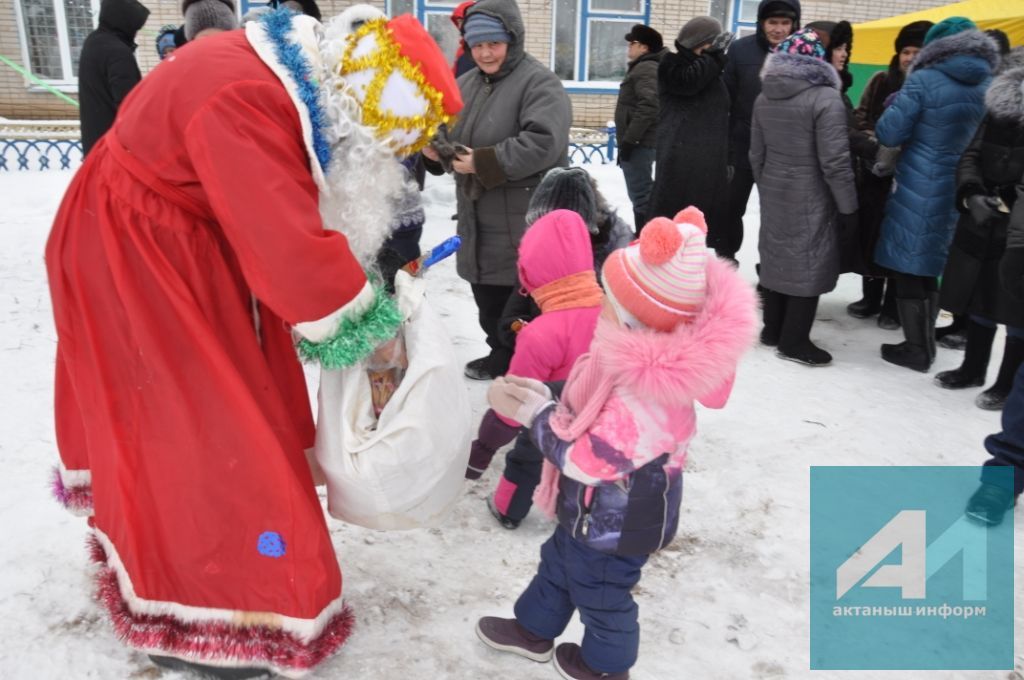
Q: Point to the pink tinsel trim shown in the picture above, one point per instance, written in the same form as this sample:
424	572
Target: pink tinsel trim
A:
212	641
75	498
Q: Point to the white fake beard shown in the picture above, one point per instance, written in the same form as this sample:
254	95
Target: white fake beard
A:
364	178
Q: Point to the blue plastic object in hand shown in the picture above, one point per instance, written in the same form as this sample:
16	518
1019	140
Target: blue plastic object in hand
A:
442	250
433	256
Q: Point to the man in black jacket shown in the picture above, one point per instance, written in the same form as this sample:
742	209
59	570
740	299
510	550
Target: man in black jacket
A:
776	19
107	69
636	117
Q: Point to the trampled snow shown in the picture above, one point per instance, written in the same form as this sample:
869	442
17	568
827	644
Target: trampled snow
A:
727	599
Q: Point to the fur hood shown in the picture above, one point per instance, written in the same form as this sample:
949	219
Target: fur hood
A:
971	43
1005	97
785	75
1015	59
675	368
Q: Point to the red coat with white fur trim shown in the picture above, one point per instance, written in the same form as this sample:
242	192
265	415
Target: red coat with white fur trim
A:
621	482
186	242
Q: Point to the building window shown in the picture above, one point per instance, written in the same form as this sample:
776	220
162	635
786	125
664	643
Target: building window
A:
52	33
587	48
744	17
436	17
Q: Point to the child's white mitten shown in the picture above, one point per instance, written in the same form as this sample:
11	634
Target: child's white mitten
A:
517	402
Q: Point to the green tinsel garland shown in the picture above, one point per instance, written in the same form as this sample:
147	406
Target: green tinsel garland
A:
356	339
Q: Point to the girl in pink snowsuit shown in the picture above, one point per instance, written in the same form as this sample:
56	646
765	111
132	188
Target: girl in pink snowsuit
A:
675	323
556	267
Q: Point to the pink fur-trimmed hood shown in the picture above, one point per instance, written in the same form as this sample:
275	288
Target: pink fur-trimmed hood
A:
696	358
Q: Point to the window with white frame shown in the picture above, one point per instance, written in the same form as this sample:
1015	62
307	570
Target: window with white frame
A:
436	17
744	17
587	47
52	33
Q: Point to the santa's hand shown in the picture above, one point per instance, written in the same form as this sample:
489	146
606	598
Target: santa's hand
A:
430	153
531	384
515	402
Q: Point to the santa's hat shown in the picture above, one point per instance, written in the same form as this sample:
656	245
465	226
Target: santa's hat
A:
658	281
401	79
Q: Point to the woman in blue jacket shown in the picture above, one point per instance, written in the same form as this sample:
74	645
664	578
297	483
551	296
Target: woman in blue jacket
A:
933	118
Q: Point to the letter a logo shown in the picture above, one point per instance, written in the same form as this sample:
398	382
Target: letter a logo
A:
906	530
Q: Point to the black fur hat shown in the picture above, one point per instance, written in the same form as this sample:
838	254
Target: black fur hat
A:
646	35
912	35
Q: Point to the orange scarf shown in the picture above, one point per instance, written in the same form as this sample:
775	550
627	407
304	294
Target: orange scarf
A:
569	292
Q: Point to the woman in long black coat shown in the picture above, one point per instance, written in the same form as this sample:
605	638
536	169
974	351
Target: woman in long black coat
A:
693	126
987	179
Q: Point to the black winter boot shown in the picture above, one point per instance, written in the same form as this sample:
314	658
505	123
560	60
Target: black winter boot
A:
203	670
774	310
795	340
953	336
994	398
913	352
931	316
504	520
889	317
976	355
989	504
871	299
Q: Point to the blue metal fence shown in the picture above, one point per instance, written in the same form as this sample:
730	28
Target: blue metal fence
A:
66	154
40	154
589	147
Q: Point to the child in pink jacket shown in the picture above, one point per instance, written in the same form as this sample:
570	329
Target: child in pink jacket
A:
675	323
556	267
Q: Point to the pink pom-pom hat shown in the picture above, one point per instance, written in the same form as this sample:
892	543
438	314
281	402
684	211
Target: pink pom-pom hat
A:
659	280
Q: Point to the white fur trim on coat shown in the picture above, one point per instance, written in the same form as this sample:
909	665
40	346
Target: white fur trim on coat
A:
321	329
74	477
304	32
363	179
304	629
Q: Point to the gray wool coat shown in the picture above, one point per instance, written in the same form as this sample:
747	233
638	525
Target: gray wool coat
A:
800	155
517	122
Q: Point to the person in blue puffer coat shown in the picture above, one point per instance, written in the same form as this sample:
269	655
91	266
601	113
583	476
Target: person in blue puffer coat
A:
933	118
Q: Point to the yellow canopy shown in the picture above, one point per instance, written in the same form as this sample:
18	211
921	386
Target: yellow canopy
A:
873	40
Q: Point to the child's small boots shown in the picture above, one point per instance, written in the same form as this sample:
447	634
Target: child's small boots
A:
570	664
506	635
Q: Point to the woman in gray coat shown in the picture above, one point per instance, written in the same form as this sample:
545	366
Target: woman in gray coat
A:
515	127
800	155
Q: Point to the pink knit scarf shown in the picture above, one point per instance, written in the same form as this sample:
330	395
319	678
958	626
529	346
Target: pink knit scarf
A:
586	390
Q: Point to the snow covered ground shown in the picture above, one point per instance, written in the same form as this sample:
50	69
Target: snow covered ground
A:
728	599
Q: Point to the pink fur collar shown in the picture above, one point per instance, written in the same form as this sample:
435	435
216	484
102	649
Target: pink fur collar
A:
694	359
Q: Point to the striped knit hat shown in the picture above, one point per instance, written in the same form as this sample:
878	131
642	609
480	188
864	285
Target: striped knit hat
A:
659	281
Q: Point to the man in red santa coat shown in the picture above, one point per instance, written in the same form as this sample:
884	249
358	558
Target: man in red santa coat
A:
201	233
